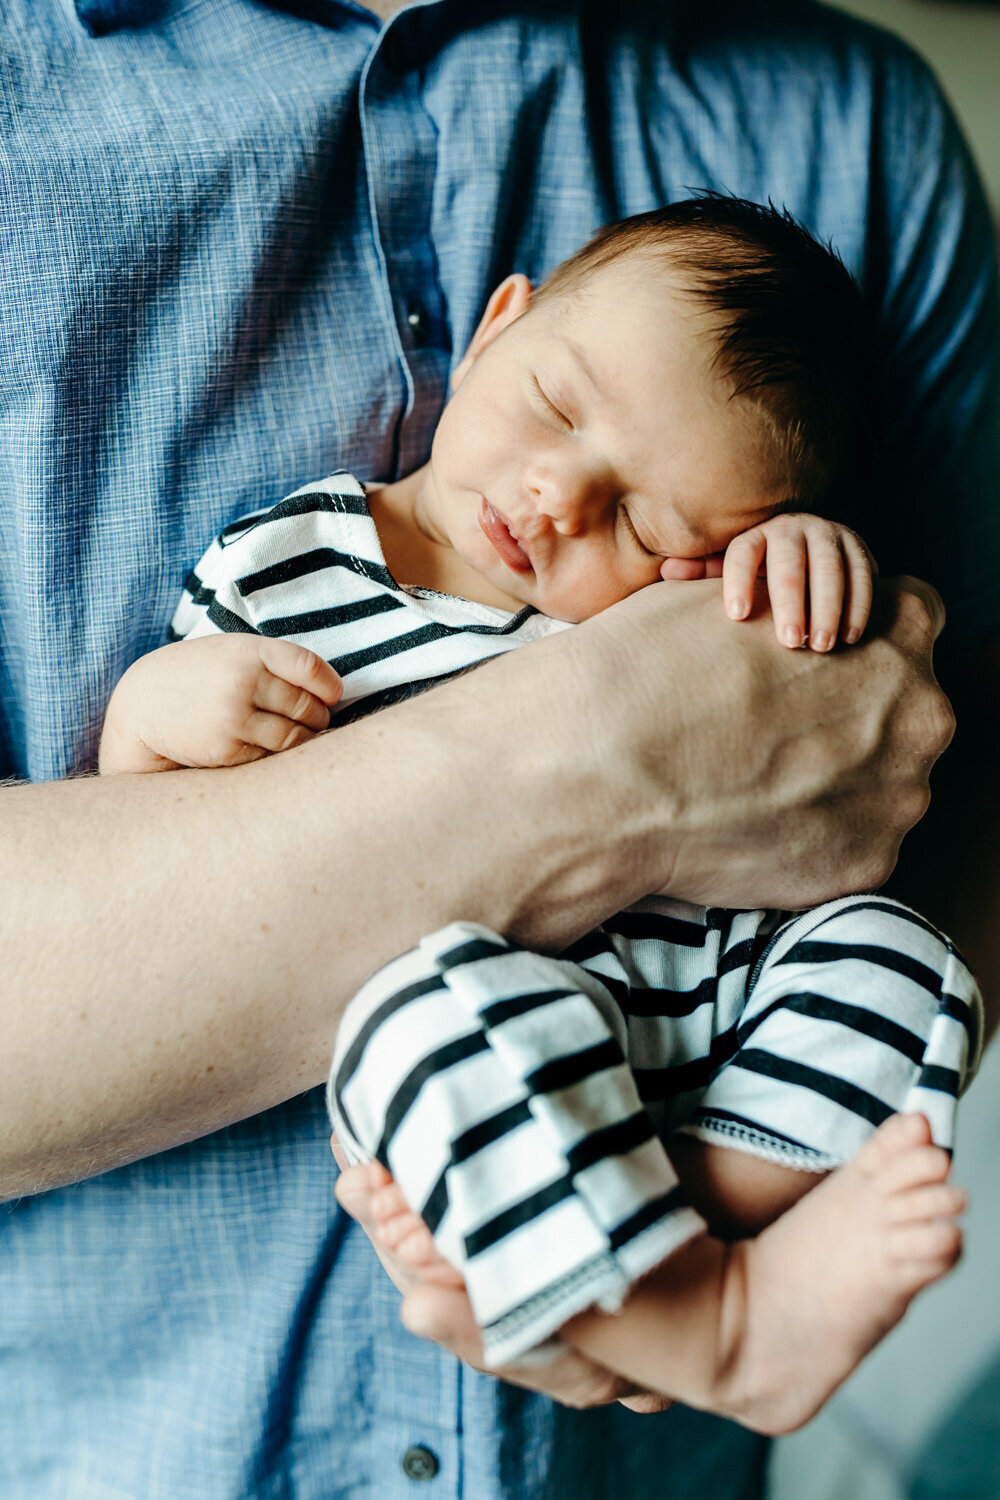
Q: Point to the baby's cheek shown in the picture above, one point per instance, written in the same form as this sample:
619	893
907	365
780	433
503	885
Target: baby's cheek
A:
596	588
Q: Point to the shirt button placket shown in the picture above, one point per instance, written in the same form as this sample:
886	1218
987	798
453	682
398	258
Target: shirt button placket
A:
400	145
419	1463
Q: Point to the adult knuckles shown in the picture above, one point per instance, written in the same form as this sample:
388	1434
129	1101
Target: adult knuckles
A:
941	725
925	723
920	612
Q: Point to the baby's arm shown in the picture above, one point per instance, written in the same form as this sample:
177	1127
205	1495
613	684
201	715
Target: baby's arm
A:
819	578
216	700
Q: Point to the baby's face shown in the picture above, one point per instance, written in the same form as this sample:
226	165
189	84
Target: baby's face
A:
589	440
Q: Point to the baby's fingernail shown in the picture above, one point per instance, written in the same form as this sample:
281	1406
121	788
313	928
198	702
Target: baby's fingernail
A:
792	637
852	634
820	640
738	609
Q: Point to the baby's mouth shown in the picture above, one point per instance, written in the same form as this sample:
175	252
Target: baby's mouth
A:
497	531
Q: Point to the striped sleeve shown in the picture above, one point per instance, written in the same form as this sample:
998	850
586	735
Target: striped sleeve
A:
311	570
211	603
492	1084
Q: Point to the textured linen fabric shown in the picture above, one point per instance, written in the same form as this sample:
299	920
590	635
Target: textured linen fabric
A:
513	1096
244	242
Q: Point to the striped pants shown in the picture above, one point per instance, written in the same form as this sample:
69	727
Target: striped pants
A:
522	1101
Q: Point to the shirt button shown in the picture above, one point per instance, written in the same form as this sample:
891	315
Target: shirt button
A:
419	1463
419	323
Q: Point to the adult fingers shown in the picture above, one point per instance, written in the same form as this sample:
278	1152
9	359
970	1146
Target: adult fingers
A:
356	1185
444	1315
354	1188
911	612
339	1155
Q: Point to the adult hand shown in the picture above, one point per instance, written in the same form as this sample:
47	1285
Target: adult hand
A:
782	778
658	745
444	1315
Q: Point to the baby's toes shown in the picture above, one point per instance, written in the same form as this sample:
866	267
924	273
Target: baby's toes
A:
395	1232
895	1139
417	1247
388	1202
391	1233
940	1201
441	1273
924	1166
928	1249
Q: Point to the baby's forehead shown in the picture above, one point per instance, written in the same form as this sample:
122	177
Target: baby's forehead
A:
649	303
634	273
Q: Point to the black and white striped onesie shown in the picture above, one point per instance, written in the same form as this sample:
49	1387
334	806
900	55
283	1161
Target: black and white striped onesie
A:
520	1100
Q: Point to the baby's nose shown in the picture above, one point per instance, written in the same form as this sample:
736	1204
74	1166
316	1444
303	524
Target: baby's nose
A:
571	507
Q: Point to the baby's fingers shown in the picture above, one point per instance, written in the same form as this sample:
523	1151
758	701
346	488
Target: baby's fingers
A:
740	567
301	668
297	687
826	584
861	568
273	733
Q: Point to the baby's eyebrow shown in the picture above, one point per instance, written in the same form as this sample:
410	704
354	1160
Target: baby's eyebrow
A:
584	363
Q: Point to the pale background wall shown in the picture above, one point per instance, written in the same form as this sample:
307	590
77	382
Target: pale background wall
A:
921	1419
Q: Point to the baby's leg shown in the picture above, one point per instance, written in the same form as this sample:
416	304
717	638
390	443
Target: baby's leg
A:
765	1330
737	1194
855	1011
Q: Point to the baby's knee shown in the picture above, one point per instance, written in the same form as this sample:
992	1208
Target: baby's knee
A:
870	928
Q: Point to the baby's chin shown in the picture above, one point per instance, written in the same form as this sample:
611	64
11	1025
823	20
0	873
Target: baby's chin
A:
574	611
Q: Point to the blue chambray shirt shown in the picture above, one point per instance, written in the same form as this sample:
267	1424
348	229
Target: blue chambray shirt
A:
242	245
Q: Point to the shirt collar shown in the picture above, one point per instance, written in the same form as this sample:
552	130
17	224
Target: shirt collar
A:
98	17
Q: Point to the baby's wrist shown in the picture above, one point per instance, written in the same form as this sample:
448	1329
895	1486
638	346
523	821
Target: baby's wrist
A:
123	747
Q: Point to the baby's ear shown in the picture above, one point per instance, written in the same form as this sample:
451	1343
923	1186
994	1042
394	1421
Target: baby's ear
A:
510	301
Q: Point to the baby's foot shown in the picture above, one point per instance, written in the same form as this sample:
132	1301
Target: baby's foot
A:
830	1278
405	1235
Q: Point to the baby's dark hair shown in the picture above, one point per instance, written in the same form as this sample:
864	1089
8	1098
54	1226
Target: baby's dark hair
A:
792	330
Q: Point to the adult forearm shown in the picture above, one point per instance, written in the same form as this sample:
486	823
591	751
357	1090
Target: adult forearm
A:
177	948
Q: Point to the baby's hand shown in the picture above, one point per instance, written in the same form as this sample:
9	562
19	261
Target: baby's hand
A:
217	700
819	578
404	1235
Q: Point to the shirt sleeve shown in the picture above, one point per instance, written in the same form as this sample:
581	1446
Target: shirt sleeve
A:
212	603
932	277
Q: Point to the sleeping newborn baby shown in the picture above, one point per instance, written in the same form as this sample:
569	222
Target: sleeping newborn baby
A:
685	397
